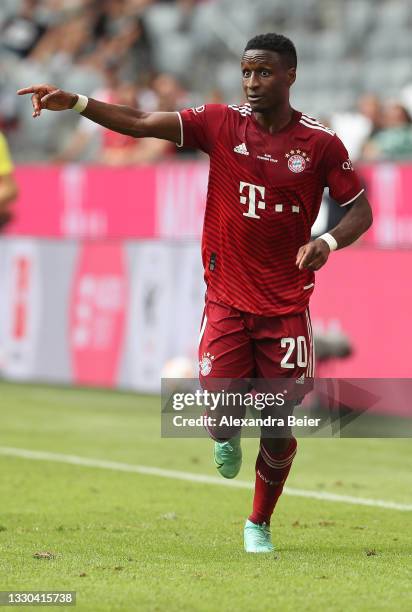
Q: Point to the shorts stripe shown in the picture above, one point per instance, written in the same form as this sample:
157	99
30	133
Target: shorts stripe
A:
202	331
313	349
311	346
310	371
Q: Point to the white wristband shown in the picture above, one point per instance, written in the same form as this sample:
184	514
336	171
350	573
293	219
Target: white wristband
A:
330	241
81	104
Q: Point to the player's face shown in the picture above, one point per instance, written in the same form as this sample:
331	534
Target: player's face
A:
266	79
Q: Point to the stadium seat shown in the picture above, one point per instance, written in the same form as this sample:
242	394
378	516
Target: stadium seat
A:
381	43
400	73
305	43
209	28
372	71
329	46
395	13
161	18
357	21
82	79
349	75
403	44
173	53
9	8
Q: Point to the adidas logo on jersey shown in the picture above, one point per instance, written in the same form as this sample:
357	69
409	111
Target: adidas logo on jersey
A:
242	149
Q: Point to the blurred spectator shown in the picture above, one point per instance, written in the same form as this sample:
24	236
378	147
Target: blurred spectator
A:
215	96
163	93
405	97
71	42
8	186
110	147
394	141
355	128
123	39
21	32
169	93
63	44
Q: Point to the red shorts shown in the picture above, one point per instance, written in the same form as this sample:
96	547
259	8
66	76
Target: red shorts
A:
236	344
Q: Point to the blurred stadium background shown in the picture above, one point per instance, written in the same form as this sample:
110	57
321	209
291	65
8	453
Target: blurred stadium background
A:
101	279
354	56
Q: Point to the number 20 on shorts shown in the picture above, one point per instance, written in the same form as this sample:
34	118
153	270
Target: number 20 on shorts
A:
296	348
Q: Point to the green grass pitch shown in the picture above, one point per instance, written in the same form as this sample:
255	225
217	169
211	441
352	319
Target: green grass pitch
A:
127	541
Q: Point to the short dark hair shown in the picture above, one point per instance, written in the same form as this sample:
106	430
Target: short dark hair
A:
275	42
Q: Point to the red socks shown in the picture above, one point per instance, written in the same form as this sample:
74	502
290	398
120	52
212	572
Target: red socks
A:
271	474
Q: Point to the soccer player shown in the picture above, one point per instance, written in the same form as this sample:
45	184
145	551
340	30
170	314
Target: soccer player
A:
269	165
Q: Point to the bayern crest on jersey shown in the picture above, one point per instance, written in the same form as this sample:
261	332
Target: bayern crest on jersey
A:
297	160
205	364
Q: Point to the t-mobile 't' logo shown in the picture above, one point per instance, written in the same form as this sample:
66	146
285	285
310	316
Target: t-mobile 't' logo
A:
251	199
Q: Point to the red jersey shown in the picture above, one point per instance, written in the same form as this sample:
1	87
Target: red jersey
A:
264	195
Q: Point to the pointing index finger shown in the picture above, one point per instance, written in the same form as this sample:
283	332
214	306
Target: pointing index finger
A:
26	90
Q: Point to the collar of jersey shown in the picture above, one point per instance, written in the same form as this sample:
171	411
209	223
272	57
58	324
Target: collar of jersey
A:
289	126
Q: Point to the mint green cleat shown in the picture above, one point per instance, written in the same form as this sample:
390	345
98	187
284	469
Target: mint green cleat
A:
257	538
228	457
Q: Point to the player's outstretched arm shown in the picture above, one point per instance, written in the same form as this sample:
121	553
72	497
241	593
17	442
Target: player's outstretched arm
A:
123	119
358	219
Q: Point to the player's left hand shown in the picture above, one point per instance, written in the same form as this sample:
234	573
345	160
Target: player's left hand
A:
313	255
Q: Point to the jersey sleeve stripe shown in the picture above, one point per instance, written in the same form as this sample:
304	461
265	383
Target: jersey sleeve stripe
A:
245	111
312	119
317	127
352	199
315	122
180	144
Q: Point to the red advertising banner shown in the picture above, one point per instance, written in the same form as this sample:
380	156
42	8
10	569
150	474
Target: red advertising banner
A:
97	314
114	312
167	201
77	201
389	189
366	294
